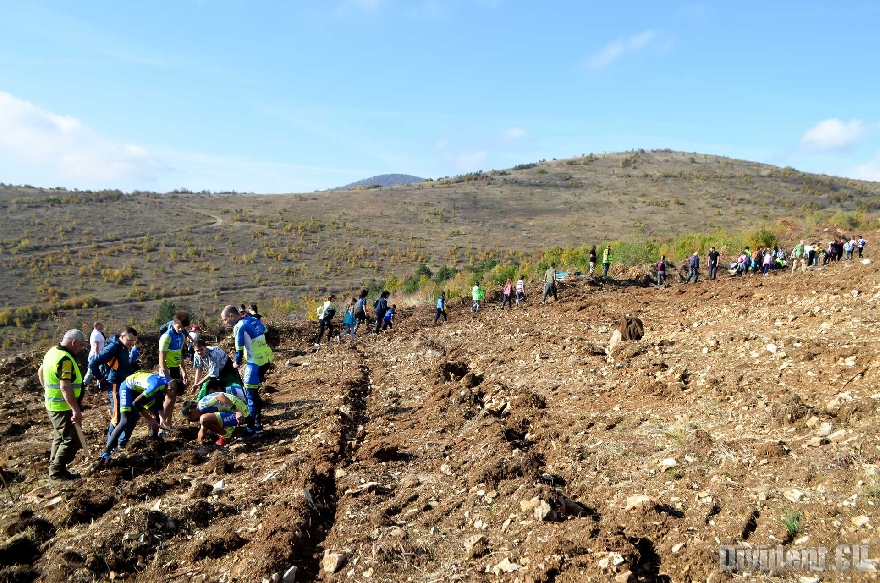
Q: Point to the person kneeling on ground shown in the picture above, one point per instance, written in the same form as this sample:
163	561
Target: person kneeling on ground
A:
213	368
217	413
141	395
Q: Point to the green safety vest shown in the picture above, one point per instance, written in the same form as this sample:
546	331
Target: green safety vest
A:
172	343
51	362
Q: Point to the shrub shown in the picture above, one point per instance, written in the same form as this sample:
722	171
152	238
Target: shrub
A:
444	273
166	312
761	238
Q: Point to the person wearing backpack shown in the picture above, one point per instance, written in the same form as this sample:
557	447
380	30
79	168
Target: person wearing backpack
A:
661	271
388	318
360	309
325	319
380	306
349	322
441	308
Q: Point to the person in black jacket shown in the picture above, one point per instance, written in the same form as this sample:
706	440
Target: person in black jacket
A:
379	308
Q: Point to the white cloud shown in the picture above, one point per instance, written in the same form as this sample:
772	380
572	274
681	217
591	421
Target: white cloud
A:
833	134
868	171
471	160
614	50
64	149
513	135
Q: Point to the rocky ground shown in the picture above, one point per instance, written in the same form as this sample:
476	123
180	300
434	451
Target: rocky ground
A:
508	446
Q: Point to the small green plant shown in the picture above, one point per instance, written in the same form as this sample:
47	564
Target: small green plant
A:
792	522
675	473
871	489
541	171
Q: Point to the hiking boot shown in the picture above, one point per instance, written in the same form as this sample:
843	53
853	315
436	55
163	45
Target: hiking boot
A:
258	428
64	475
222	442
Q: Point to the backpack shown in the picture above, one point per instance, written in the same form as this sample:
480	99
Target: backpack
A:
165	327
661	266
349	318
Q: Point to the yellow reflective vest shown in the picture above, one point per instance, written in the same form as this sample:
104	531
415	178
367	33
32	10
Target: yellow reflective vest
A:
59	365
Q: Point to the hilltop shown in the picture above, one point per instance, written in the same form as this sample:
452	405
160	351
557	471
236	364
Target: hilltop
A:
71	257
382	180
508	446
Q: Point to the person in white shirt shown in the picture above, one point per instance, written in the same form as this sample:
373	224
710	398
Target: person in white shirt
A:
96	345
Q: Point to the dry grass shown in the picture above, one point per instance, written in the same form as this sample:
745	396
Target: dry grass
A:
63	250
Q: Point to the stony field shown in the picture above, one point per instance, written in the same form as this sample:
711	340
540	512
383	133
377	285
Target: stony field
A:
507	446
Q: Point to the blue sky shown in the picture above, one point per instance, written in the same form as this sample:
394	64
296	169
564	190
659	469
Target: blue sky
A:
299	96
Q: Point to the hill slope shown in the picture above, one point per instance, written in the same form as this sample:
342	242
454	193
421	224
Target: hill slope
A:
382	180
506	443
71	257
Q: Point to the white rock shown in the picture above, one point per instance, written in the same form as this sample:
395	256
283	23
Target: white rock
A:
866	262
220	486
677	547
860	521
638	500
808	579
771	348
505	566
289	576
332	562
544	512
802	541
528	505
616	559
793	495
614	342
850	361
837	436
668	463
825	429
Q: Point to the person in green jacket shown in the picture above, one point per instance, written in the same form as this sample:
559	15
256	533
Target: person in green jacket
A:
606	260
478	295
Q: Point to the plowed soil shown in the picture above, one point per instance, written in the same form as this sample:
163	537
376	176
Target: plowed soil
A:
505	446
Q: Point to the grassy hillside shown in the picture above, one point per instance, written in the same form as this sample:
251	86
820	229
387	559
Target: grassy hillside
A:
71	257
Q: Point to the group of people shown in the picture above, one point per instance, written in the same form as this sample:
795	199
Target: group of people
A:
354	317
227	388
767	259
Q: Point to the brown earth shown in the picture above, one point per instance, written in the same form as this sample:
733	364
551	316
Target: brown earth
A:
506	446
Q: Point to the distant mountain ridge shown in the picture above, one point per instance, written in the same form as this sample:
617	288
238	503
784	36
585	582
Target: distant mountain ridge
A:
382	180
